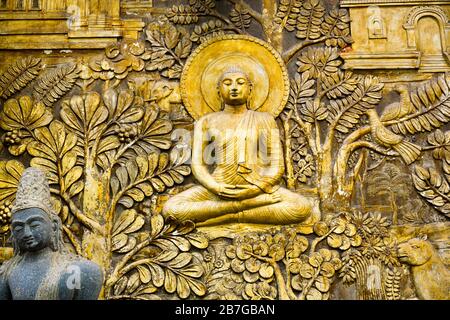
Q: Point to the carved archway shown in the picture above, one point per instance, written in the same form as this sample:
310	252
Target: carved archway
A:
429	62
413	17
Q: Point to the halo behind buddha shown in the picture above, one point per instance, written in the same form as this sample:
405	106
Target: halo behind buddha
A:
256	58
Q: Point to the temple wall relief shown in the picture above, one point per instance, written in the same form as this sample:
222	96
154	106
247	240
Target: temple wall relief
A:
200	149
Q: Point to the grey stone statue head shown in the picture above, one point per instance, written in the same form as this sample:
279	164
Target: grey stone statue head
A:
34	224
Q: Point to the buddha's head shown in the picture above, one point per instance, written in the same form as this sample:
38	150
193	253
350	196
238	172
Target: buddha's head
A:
33	230
34	225
234	87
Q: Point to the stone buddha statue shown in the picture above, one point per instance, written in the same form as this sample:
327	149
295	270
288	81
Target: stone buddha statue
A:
42	268
238	160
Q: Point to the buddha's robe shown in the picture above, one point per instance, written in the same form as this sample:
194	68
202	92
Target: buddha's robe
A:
247	152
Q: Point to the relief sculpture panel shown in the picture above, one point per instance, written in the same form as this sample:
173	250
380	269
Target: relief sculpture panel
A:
232	149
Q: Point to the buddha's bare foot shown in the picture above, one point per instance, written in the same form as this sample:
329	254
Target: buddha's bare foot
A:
261	200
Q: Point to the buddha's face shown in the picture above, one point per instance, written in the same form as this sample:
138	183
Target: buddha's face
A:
234	88
32	229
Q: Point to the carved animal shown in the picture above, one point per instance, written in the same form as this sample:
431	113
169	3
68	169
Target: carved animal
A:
431	277
398	110
383	136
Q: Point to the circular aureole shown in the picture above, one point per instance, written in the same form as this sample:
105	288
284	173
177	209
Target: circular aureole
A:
258	59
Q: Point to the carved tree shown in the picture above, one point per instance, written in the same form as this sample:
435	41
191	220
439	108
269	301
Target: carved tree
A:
392	182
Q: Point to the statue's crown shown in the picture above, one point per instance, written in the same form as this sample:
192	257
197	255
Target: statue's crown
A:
33	192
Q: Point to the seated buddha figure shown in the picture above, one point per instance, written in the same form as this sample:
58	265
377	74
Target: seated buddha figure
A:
238	160
42	268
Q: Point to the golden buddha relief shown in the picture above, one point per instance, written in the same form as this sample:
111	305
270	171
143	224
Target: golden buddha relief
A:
241	182
303	179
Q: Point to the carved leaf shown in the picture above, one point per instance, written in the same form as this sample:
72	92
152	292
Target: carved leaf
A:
10	172
392	284
202	5
85	115
54	84
128	222
240	17
345	113
169	46
207	30
133	282
18	76
435	189
340	84
301	90
390	180
144	175
120	286
20	116
314	294
198	240
287	14
431	108
182	14
337	27
310	19
441	141
52	147
311	112
23	113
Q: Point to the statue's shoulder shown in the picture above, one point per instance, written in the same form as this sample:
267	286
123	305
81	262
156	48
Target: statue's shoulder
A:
87	266
208	118
263	116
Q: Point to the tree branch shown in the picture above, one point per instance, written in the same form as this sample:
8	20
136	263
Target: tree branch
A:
255	14
316	241
355	135
85	220
231	26
73	240
372	146
306	129
291	52
116	274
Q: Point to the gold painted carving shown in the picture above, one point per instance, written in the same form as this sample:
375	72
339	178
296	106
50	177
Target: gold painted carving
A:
258	59
112	130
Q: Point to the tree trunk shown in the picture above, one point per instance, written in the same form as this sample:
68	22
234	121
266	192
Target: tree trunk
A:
272	30
325	175
96	243
290	178
282	290
394	209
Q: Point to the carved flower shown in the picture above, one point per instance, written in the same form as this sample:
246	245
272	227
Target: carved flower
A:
372	246
19	118
389	253
361	221
119	61
207	257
